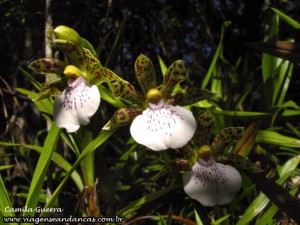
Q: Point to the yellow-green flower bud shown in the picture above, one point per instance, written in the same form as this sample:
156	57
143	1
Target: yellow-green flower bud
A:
205	152
154	96
68	34
72	72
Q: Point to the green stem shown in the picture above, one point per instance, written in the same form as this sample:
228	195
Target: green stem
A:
91	147
88	169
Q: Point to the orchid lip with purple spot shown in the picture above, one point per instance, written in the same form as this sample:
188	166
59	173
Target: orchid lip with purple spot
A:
212	183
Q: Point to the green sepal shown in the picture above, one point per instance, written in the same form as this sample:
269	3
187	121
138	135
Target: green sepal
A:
46	66
205	123
122	117
190	96
226	137
239	162
175	74
145	73
103	74
126	91
73	53
54	88
92	64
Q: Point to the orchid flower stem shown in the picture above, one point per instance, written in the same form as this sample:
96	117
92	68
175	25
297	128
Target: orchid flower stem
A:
88	169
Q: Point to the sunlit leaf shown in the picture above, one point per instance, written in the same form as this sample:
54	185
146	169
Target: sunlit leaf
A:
272	137
163	66
274	192
268	216
41	168
5	167
92	146
5	200
45	106
286	18
57	158
238	113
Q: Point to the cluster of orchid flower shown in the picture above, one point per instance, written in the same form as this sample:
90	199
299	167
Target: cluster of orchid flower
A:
157	120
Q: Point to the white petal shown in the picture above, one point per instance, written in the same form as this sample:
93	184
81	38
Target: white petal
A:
163	126
212	183
76	105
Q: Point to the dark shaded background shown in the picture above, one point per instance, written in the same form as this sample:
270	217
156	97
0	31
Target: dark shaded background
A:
179	29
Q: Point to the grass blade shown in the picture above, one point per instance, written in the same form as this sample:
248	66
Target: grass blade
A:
93	145
57	158
216	56
274	192
4	200
287	19
41	168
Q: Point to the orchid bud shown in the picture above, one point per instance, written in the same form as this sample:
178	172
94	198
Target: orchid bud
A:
68	34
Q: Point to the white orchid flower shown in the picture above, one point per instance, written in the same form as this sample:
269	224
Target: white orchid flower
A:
76	105
162	126
212	183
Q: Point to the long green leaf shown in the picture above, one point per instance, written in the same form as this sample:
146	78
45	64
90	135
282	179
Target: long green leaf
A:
274	192
45	106
287	19
93	145
268	216
272	137
270	63
57	158
216	56
41	168
239	113
162	65
5	200
132	207
116	44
